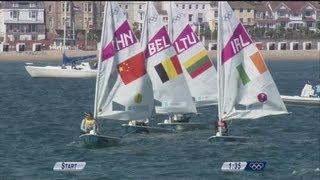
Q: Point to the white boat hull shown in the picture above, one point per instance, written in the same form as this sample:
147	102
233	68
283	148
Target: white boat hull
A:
227	138
297	100
145	129
58	72
184	126
99	140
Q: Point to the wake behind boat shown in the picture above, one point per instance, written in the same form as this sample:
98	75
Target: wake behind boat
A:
83	70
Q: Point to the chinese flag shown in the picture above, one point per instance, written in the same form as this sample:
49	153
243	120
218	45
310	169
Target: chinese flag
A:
132	68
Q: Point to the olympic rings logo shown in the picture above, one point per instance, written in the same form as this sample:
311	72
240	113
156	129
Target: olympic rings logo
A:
153	18
178	17
256	166
114	11
227	16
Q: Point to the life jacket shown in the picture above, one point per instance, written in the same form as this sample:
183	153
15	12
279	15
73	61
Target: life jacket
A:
221	124
89	123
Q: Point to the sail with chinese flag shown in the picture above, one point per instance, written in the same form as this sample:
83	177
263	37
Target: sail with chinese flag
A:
171	91
246	89
123	88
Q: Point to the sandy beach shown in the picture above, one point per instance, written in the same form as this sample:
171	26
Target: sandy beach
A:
55	55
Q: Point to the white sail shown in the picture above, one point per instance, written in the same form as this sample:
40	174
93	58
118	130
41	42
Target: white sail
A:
198	68
171	91
246	87
123	89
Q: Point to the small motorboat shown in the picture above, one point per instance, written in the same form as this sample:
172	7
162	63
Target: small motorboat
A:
68	69
80	71
298	100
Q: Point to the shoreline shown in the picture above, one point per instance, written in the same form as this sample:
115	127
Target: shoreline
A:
54	55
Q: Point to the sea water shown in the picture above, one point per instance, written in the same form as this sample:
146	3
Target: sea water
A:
40	124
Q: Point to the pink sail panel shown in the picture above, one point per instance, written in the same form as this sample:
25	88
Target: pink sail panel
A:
123	38
238	41
185	40
158	43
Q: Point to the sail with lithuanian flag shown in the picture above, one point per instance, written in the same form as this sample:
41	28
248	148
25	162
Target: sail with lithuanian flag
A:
198	68
246	89
171	91
123	88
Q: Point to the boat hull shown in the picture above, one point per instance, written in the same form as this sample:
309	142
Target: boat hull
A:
297	100
58	72
227	138
145	129
99	140
184	126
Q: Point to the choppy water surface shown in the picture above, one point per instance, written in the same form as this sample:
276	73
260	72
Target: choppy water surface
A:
40	119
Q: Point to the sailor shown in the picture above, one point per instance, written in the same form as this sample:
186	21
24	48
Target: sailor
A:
180	118
221	127
142	122
88	123
73	65
307	90
317	90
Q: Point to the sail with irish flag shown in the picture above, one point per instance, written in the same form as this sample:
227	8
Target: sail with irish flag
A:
171	92
246	89
123	89
245	86
198	68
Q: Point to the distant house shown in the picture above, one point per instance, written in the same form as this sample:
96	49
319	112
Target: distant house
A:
135	11
22	20
244	11
263	15
292	14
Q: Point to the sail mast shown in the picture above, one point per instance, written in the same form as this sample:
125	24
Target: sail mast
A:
219	62
65	24
169	23
99	61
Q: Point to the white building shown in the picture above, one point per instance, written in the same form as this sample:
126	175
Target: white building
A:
135	11
294	14
22	20
200	12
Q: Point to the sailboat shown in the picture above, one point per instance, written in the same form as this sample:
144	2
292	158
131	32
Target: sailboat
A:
198	68
246	89
123	89
171	92
68	69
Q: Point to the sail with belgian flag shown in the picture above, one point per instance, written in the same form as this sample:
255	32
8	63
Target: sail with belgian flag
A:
171	92
198	68
123	88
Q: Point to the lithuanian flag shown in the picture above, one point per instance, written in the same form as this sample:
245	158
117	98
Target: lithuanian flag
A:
168	69
198	63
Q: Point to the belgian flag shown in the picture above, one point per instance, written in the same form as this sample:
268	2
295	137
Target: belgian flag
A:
168	69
